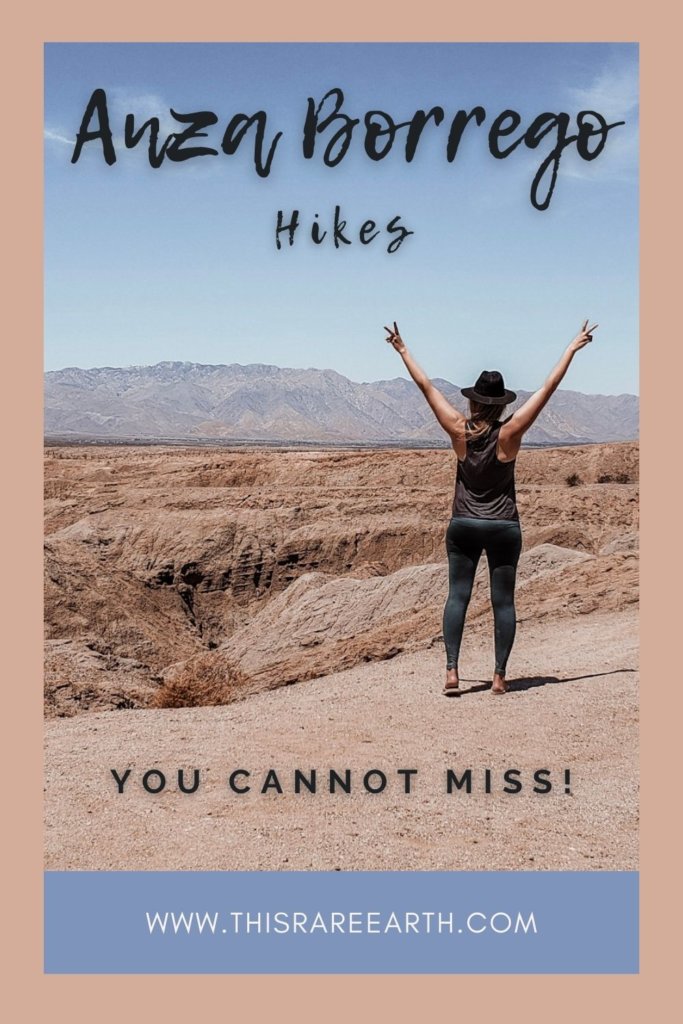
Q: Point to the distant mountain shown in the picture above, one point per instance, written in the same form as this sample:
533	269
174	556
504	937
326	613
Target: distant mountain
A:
269	403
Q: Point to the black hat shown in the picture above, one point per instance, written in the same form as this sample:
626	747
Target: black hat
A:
490	389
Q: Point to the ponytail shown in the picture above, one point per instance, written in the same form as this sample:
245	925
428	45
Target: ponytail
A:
482	419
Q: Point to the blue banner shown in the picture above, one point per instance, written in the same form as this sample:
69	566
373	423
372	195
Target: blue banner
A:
289	922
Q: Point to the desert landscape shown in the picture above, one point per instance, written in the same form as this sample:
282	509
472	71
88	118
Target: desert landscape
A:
249	607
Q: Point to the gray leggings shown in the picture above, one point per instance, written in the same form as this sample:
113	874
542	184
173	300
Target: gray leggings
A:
466	538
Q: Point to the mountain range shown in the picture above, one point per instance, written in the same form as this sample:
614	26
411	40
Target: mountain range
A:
258	402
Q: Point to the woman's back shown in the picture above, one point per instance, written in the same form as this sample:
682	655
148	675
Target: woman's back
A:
485	486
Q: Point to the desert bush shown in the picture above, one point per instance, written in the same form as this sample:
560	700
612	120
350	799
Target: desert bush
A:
573	480
620	478
204	681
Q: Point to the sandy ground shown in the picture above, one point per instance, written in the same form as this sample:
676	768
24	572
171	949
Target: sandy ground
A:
573	706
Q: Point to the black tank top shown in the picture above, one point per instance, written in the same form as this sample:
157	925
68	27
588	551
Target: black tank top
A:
485	486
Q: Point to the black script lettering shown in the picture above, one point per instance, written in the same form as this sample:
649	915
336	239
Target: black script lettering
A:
315	231
586	131
458	125
196	121
312	128
237	129
131	137
537	131
393	227
291	227
365	230
499	128
415	127
96	104
339	226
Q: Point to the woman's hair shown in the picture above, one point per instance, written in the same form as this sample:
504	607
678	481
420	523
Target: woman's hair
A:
482	418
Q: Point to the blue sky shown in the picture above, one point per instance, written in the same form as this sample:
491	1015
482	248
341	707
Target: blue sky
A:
180	262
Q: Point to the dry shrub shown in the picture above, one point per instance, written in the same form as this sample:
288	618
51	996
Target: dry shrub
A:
204	681
618	478
573	480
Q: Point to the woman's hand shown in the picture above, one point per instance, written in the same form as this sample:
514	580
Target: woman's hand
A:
511	432
395	338
584	336
450	419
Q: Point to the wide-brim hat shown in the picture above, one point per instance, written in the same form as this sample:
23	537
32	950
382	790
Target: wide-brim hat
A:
490	389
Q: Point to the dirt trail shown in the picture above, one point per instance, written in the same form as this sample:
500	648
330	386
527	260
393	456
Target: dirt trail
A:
574	705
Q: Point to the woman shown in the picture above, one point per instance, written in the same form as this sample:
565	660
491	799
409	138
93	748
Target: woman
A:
484	515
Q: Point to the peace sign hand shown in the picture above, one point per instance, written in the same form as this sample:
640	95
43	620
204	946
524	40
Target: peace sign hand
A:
584	336
395	338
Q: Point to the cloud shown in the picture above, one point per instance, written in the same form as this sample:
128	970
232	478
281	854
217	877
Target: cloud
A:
613	92
53	136
617	162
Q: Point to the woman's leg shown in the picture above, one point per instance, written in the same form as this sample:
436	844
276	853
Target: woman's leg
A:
464	550
503	548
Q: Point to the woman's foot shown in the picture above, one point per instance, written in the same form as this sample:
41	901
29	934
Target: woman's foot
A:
452	687
499	685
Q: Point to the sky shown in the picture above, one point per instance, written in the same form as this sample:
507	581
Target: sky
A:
179	262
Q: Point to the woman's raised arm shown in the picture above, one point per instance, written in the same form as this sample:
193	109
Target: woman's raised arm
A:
526	415
450	419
